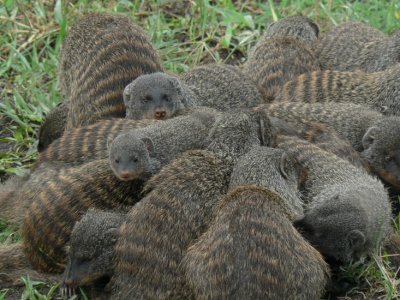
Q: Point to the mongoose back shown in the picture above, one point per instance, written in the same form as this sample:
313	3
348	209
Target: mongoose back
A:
282	53
162	96
379	91
61	199
53	126
87	143
14	265
91	250
177	207
368	131
143	151
252	251
354	46
100	56
347	211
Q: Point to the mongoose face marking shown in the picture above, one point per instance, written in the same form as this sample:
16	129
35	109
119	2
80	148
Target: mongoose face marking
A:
154	96
296	26
381	145
91	250
129	156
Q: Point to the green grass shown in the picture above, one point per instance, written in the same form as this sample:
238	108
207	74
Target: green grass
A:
186	34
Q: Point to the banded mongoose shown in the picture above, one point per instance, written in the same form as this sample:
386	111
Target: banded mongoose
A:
83	144
379	91
101	54
355	46
283	52
162	96
61	199
320	135
53	126
142	152
178	206
91	250
375	136
251	249
14	265
347	211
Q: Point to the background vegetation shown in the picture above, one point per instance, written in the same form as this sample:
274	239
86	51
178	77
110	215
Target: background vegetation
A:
186	33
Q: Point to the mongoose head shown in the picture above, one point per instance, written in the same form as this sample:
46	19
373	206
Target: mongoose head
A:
296	26
91	250
381	149
337	227
273	169
153	96
129	156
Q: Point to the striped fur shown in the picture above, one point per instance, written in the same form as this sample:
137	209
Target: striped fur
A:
61	200
100	56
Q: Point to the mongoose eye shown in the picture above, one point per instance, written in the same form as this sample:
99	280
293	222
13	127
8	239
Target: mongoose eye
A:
148	98
388	158
116	161
134	159
166	98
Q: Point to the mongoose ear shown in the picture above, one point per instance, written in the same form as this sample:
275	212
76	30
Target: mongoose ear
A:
149	144
175	83
356	239
265	131
315	28
283	166
303	226
112	234
126	93
109	143
67	248
270	25
369	137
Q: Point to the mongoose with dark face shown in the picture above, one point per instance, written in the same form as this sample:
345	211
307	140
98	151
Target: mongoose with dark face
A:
347	211
251	249
281	54
379	91
61	199
144	151
375	136
177	208
101	54
91	250
53	126
162	96
14	265
354	46
83	144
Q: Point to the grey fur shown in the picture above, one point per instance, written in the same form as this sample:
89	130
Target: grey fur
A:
354	46
142	152
91	249
375	136
347	211
162	96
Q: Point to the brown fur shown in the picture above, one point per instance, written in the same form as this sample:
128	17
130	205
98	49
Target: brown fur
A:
100	56
252	251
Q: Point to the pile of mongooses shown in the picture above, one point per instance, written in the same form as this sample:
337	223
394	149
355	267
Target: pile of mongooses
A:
197	204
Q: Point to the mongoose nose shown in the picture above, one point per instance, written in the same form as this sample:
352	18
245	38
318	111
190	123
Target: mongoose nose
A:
124	174
160	114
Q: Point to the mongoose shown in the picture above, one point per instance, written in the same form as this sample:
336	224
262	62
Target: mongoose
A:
61	199
347	211
143	151
178	205
252	251
368	131
91	250
87	143
282	53
14	265
379	91
322	136
53	126
101	54
355	46
162	96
